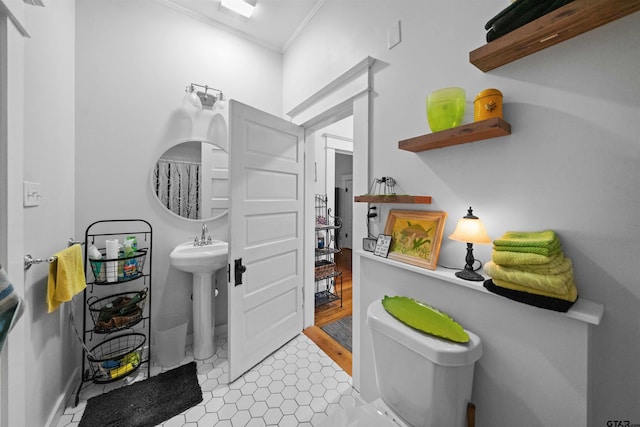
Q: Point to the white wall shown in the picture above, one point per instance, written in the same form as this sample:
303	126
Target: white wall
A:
52	353
569	165
134	59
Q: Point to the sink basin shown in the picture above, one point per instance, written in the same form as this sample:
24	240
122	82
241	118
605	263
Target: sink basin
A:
202	262
200	259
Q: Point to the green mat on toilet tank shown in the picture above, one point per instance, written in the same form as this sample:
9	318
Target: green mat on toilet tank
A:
424	318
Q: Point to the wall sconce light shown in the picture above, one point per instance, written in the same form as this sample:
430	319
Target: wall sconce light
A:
201	99
470	230
242	7
191	98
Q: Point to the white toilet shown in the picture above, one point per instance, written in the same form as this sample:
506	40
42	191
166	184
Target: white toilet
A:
423	381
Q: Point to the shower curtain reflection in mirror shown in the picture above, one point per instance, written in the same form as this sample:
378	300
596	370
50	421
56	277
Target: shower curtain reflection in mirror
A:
177	185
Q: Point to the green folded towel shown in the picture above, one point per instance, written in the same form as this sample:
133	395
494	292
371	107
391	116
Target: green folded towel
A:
516	259
541	239
530	249
553	283
558	264
522	12
535	242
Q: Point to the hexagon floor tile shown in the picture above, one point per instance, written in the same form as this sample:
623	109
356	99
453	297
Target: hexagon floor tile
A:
298	385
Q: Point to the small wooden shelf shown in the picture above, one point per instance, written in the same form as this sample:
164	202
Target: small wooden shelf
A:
476	131
393	198
557	26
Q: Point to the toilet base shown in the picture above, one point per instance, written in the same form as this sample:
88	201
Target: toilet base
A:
376	413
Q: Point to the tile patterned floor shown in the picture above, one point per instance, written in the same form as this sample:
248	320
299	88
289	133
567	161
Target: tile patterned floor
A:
298	385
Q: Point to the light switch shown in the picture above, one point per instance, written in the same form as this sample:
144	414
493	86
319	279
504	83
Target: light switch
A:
31	194
393	35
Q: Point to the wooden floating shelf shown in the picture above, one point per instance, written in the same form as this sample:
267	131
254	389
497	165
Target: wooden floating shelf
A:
476	131
392	198
557	26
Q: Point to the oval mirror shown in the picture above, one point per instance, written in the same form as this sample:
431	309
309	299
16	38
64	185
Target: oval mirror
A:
191	180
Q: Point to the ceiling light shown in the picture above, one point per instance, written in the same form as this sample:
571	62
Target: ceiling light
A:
242	7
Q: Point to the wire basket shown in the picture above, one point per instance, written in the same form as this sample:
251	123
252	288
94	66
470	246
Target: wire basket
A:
116	357
122	269
117	311
324	268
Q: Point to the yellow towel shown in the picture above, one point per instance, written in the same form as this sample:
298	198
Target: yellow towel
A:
558	264
66	277
553	283
515	259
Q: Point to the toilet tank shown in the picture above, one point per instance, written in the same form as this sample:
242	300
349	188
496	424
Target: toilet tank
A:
425	380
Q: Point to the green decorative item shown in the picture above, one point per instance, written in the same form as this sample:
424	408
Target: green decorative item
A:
445	108
424	318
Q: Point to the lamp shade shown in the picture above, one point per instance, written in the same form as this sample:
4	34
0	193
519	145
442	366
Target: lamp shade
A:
191	99
471	230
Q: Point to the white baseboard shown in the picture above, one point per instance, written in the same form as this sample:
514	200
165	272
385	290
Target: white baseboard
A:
64	399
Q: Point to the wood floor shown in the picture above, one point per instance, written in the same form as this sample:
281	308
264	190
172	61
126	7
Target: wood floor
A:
333	311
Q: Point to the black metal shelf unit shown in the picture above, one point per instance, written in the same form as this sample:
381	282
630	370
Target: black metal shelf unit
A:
116	321
326	273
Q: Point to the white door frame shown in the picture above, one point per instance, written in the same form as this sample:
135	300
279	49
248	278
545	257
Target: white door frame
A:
347	95
348	224
333	144
13	370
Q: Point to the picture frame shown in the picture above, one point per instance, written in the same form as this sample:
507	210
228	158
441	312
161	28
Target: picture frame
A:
416	236
382	245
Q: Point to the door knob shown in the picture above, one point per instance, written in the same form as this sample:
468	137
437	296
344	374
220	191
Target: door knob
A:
239	270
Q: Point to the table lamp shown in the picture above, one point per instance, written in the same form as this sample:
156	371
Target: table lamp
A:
470	230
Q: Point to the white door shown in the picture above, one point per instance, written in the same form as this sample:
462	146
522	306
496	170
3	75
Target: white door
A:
215	181
266	235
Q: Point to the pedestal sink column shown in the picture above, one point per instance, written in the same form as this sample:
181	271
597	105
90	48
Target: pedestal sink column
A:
202	261
203	316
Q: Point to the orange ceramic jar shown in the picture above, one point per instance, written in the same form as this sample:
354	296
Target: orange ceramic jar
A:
488	104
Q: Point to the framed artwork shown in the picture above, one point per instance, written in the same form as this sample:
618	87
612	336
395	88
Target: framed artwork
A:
382	245
415	236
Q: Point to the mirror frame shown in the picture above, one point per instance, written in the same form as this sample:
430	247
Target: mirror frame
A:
159	202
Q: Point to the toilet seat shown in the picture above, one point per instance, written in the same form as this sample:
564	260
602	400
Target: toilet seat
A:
376	413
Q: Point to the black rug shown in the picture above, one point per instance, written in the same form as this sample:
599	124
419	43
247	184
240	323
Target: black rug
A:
146	403
340	330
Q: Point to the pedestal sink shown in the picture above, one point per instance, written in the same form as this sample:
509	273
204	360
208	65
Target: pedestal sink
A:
202	261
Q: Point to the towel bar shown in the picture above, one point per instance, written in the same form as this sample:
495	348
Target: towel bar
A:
29	260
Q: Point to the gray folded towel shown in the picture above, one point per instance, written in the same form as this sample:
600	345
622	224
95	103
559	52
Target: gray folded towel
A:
11	307
522	13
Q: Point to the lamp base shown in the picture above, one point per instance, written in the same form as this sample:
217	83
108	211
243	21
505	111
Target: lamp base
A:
470	275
